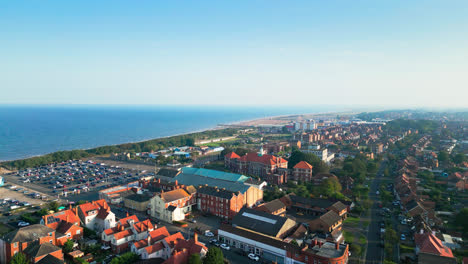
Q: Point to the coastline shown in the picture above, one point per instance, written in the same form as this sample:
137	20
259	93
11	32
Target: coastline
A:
278	119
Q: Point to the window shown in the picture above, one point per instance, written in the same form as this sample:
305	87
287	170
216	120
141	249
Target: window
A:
51	241
15	244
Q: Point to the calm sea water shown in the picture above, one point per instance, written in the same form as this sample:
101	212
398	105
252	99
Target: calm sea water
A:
27	131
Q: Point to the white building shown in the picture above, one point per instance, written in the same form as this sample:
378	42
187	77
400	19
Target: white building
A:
319	152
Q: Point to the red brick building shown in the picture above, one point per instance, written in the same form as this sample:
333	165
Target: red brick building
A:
220	202
66	223
30	240
302	171
254	163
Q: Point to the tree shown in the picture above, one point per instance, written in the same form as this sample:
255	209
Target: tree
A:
214	256
460	219
330	186
19	258
459	158
298	156
195	259
54	206
68	246
294	242
443	156
125	258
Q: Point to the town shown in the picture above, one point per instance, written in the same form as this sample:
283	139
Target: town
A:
380	187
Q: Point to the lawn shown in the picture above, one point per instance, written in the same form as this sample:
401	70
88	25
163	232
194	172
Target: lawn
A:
349	237
4	229
352	221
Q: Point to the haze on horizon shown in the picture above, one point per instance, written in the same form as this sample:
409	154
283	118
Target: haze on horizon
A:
376	53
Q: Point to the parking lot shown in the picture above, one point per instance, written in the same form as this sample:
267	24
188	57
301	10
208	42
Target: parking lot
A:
72	177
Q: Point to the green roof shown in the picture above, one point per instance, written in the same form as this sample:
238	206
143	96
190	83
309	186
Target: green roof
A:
220	175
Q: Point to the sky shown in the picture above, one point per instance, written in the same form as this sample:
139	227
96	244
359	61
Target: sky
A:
368	53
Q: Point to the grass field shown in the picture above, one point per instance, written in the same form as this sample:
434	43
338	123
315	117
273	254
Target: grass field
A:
352	221
349	237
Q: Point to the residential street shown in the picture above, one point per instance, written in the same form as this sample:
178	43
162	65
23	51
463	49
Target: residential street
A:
374	249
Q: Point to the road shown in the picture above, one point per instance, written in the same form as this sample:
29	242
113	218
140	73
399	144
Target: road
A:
374	250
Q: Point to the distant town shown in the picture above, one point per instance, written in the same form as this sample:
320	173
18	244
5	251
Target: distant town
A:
377	187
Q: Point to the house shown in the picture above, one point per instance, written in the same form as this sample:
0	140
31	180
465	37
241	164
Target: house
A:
66	223
138	202
326	223
302	171
173	205
220	202
265	223
96	215
106	235
431	250
30	240
275	207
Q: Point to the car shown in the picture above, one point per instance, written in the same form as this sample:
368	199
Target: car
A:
213	241
403	237
192	221
252	256
225	246
209	234
21	223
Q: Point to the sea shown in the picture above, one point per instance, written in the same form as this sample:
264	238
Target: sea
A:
32	130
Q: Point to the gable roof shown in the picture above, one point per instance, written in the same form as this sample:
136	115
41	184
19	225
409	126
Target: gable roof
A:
36	250
429	243
124	221
143	226
271	206
122	234
53	220
50	259
303	165
215	174
174	195
232	155
259	221
159	234
330	218
197	180
28	233
173	239
264	159
154	248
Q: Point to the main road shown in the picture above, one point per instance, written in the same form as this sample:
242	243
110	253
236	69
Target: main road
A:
374	249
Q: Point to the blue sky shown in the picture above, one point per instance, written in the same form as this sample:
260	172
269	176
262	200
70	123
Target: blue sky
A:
375	53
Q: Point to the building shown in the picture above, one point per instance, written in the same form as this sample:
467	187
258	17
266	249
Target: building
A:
173	205
220	202
255	163
106	235
115	194
96	215
322	153
272	225
36	241
139	202
229	181
66	223
275	207
431	250
302	171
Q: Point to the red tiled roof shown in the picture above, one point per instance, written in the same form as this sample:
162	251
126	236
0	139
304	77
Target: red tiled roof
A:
159	234
67	216
232	155
140	244
303	165
429	243
154	248
111	231
122	234
173	239
124	221
178	257
143	226
85	208
265	159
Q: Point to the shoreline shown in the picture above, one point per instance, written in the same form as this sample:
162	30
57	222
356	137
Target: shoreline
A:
246	123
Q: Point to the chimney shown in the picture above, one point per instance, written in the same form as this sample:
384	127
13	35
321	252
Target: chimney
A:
70	207
67	218
45	219
195	237
176	182
127	214
149	240
337	245
159	180
122	228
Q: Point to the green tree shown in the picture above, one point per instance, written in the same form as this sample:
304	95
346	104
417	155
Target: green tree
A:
330	186
214	256
298	156
125	258
459	158
54	206
460	219
443	156
68	246
19	258
195	259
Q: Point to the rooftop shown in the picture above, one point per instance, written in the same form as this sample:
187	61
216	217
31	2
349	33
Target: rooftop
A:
221	175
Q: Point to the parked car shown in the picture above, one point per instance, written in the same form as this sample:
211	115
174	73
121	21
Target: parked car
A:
225	246
208	233
21	223
252	256
403	237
